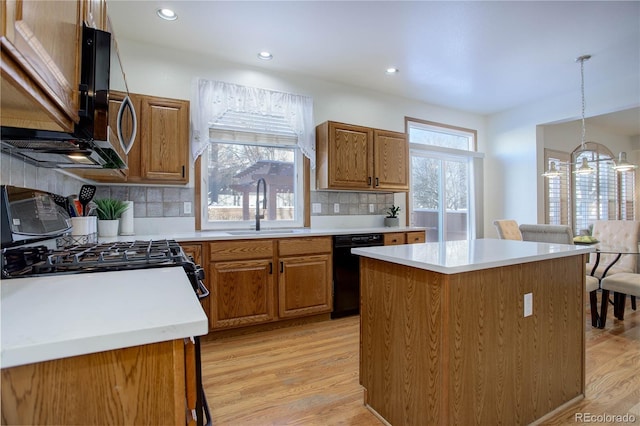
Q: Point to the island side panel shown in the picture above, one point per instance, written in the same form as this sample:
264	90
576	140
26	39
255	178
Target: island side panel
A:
137	385
401	362
510	369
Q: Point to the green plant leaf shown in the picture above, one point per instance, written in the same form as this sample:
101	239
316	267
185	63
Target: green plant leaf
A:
110	208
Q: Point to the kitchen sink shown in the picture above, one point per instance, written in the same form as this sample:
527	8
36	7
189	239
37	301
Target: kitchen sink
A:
263	232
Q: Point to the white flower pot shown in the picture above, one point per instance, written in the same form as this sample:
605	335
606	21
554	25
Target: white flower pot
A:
391	222
108	228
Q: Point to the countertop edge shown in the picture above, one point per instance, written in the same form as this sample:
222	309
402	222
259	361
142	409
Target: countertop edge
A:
375	253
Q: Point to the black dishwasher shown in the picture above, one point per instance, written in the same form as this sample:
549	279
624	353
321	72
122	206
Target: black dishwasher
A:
346	272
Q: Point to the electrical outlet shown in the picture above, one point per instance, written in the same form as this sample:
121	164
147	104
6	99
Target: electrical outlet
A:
316	208
371	208
528	304
187	207
336	208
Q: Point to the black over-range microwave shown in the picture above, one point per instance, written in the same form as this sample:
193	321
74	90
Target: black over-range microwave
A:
91	145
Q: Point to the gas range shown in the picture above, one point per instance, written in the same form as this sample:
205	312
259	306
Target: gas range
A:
102	257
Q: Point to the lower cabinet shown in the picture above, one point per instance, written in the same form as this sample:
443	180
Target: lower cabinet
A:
148	384
411	237
260	281
242	293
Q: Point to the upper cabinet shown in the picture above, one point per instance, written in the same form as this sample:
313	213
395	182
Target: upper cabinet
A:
40	64
361	158
164	141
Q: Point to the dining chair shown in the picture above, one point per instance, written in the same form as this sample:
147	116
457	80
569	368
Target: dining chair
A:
562	234
622	284
508	229
618	235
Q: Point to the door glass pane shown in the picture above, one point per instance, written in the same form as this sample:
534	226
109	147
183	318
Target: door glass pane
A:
425	192
456	200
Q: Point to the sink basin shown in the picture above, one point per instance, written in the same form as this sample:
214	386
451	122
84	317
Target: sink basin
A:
262	232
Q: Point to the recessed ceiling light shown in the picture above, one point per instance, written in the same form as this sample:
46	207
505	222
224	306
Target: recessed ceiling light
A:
265	56
392	70
167	14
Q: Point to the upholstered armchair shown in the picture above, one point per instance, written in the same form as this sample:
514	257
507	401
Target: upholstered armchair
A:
560	234
508	229
616	235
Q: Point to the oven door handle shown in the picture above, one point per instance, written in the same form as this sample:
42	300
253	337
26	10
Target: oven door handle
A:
203	290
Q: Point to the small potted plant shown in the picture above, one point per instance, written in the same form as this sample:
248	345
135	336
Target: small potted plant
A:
109	211
392	219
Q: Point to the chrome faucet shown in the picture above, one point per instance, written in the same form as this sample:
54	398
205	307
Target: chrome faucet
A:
264	201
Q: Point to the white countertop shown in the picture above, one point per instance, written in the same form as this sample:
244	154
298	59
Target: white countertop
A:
48	318
267	233
463	256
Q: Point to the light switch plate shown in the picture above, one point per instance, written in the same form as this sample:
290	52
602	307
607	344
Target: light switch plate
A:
371	208
316	208
528	304
187	207
336	208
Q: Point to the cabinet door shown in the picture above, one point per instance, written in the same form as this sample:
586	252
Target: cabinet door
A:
394	238
350	153
391	160
304	285
164	140
40	64
242	293
415	237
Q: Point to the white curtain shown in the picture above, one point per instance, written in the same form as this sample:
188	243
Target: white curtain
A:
212	99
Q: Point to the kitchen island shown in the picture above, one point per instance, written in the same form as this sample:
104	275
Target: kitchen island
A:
471	332
99	348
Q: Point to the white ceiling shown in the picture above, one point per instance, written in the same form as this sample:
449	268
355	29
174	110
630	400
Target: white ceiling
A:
477	56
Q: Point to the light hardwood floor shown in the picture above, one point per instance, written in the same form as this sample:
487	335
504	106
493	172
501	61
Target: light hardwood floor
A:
308	375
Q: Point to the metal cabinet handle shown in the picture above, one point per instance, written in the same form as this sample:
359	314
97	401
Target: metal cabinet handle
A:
270	268
281	267
377	182
369	181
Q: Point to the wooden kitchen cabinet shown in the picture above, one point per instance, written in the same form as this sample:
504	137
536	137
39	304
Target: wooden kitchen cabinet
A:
241	279
40	63
150	384
305	278
411	237
266	280
416	237
353	157
394	238
163	156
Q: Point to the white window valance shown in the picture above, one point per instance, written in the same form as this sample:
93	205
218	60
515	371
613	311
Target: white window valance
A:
213	100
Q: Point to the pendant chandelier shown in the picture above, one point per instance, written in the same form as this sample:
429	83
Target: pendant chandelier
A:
583	167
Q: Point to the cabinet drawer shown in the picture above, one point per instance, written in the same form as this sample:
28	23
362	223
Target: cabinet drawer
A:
415	237
295	246
239	250
394	238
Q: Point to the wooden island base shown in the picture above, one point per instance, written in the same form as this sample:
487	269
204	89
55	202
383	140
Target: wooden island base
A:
456	349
